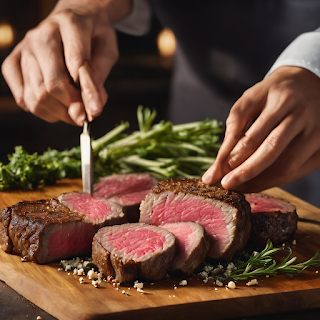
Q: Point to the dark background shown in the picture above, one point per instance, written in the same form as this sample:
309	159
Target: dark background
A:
138	77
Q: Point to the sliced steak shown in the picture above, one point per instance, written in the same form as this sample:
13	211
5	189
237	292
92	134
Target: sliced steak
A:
96	210
192	246
46	230
123	184
133	251
271	218
225	215
130	203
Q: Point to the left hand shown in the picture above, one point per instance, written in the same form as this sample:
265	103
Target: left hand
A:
273	133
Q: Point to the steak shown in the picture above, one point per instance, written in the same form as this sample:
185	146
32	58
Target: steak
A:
46	230
225	215
128	190
96	210
133	251
271	218
123	184
192	246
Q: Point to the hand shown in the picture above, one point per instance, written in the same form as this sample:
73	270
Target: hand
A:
42	70
273	133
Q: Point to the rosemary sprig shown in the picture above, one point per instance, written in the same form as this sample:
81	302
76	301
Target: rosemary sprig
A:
262	263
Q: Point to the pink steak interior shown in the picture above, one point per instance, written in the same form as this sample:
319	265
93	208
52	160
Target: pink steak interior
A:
119	184
262	204
130	198
92	206
184	238
194	209
70	239
137	242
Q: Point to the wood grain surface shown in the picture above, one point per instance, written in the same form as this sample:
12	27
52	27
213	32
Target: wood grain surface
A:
61	294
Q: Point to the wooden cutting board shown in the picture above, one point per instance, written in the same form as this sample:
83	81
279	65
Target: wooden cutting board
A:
61	294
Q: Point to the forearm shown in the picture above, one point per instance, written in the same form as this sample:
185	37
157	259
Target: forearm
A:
115	9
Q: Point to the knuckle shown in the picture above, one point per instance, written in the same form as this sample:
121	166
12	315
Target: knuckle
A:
272	144
54	86
41	96
19	99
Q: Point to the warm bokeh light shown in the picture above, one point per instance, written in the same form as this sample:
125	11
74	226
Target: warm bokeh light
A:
166	42
6	35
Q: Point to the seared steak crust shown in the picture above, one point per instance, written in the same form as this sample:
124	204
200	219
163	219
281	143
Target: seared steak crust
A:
47	230
238	219
24	223
278	225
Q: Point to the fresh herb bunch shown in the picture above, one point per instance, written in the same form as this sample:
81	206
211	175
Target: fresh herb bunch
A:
262	263
255	264
163	149
31	171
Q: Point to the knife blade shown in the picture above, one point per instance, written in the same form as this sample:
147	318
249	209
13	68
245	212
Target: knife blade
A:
86	158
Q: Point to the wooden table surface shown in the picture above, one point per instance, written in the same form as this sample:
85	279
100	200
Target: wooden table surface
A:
62	296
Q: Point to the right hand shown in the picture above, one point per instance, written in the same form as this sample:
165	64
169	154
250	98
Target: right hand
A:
42	70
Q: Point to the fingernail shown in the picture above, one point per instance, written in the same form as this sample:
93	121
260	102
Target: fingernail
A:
226	181
80	120
206	178
94	107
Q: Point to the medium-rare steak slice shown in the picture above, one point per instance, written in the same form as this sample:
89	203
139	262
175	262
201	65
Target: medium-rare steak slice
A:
133	251
130	203
123	183
272	218
96	210
192	246
225	215
46	230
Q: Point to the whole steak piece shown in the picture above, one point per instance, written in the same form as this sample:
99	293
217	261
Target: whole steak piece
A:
46	230
133	251
225	215
272	218
123	184
192	246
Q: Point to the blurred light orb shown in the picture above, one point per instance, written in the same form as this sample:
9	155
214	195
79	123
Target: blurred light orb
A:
166	42
6	35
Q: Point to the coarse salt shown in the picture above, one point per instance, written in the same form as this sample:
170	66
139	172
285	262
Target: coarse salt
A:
219	283
138	285
252	282
183	283
92	275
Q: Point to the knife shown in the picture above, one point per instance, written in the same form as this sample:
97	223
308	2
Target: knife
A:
86	158
88	90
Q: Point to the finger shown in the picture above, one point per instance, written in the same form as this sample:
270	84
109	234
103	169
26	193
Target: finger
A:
266	154
276	108
37	109
56	78
300	158
104	54
76	33
89	92
239	120
12	73
37	99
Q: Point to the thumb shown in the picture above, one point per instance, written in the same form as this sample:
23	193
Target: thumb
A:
93	97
